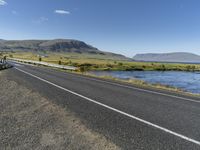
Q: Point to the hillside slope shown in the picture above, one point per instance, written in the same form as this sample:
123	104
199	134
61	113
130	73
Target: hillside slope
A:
48	45
168	57
57	45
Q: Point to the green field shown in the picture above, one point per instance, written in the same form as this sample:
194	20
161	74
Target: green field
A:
100	62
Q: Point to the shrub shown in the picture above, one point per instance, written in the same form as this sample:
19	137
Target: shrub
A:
83	69
40	59
86	64
193	68
190	68
96	66
163	67
74	64
109	65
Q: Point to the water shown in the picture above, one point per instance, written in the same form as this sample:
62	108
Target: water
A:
187	81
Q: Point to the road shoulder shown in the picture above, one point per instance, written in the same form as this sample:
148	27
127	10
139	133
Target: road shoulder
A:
30	120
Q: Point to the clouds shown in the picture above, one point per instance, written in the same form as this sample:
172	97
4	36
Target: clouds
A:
40	20
62	12
3	2
14	12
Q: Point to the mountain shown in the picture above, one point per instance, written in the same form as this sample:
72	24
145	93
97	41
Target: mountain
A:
57	45
168	57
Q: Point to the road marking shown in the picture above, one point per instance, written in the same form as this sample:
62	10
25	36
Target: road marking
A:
114	109
18	65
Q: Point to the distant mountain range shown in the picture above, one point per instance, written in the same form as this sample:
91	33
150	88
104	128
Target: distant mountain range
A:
57	45
168	57
80	47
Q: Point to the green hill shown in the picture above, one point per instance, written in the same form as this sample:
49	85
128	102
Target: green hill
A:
58	46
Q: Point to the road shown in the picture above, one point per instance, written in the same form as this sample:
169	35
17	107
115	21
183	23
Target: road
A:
129	116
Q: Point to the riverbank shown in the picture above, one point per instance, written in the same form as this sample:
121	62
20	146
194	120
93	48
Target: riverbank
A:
187	81
143	84
136	82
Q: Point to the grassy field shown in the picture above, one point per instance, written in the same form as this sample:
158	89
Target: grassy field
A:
101	62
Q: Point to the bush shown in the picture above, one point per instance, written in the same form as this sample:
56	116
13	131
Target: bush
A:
86	64
40	59
109	65
74	64
144	66
136	68
163	68
190	68
193	68
96	66
83	69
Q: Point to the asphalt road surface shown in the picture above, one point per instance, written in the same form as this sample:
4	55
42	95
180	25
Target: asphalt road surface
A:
131	117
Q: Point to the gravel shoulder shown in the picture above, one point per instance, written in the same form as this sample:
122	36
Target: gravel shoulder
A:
30	121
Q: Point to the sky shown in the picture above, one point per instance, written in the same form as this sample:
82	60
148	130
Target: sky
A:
127	27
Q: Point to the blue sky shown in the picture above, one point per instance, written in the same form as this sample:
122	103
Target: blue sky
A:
122	26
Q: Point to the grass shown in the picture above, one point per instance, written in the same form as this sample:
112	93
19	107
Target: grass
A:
100	62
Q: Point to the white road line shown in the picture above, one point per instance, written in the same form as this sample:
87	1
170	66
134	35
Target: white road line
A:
143	90
18	65
116	110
